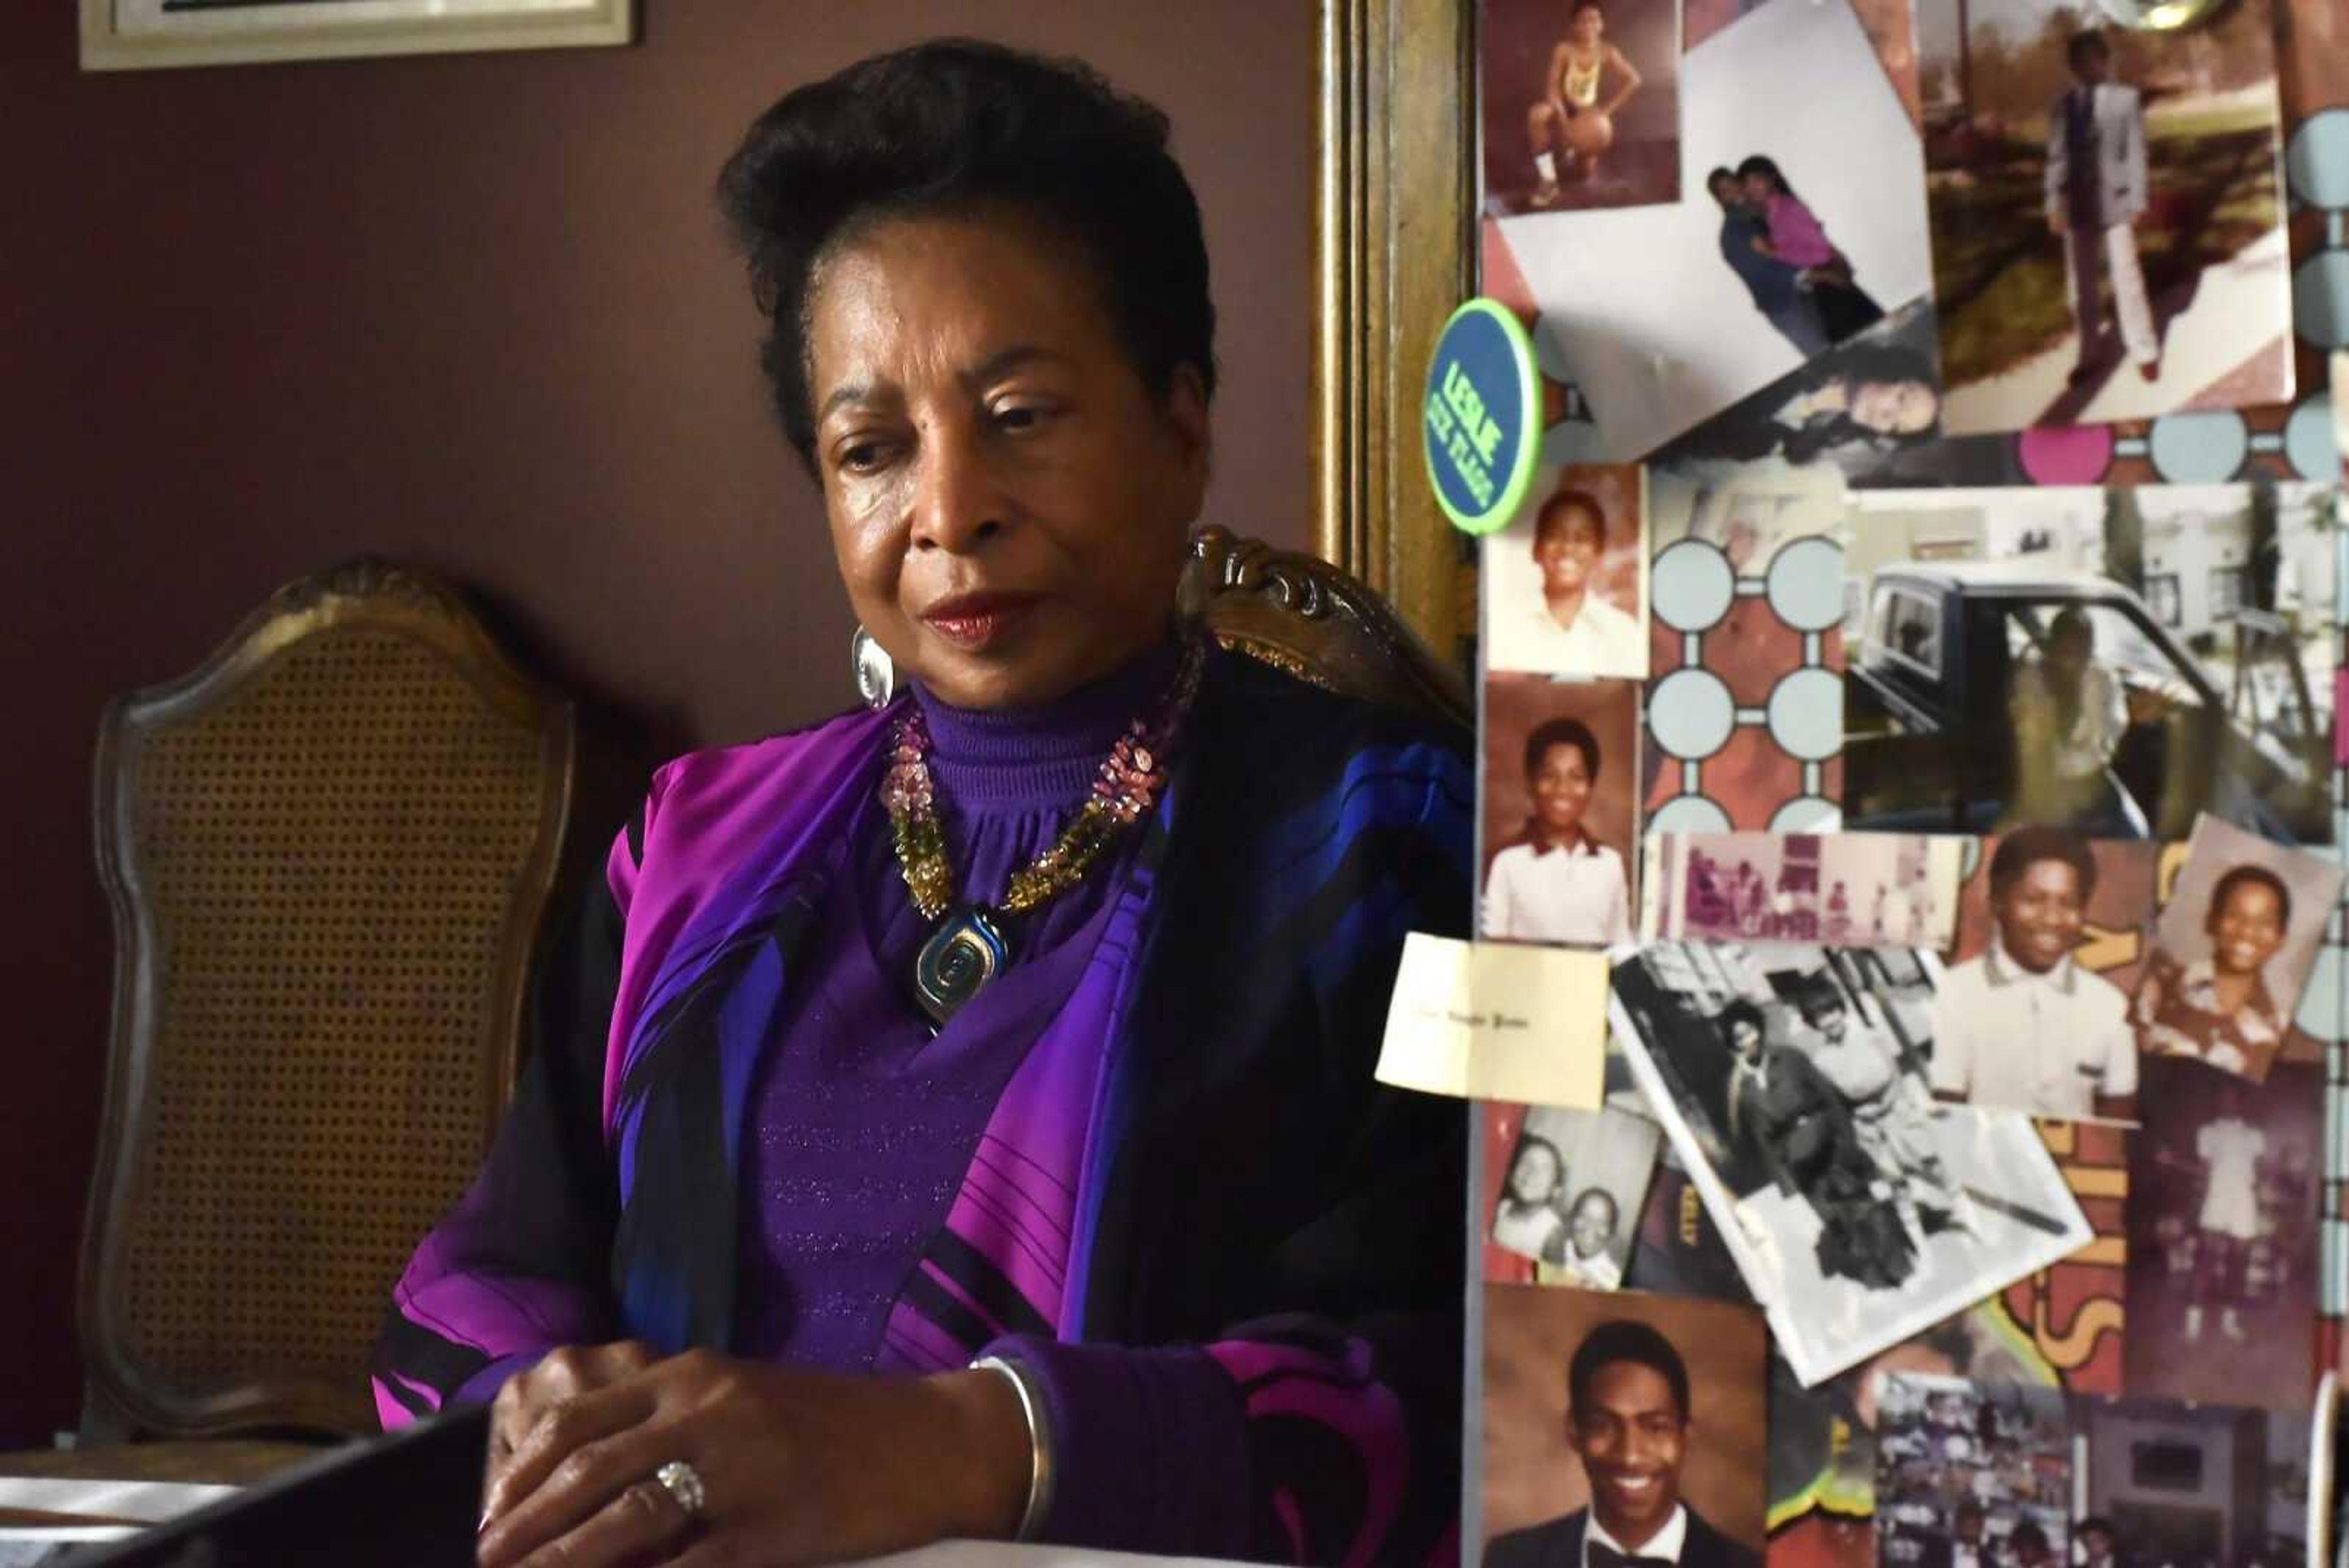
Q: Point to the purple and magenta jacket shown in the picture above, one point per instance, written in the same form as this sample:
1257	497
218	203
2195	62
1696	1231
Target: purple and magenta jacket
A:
1235	1271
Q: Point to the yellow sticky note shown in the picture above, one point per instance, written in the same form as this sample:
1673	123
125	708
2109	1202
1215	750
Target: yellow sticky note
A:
1494	1022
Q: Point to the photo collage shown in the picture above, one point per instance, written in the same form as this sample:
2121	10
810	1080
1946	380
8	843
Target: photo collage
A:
1915	674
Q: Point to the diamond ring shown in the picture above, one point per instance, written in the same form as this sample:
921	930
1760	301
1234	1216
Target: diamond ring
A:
682	1482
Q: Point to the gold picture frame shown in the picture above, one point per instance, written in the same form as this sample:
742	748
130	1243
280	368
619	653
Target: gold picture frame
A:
1394	252
140	35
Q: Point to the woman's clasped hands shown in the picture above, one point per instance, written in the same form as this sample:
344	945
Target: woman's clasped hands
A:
791	1466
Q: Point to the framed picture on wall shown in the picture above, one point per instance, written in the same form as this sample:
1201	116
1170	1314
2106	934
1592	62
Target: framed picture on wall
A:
134	34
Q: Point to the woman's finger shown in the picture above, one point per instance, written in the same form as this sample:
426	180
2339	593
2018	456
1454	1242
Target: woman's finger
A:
566	1432
580	1484
641	1521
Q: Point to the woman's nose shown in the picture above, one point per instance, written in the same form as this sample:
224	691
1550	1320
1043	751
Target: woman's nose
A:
958	503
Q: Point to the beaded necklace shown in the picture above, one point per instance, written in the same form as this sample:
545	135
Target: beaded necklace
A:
967	946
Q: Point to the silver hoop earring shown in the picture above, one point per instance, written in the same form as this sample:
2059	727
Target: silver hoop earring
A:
876	675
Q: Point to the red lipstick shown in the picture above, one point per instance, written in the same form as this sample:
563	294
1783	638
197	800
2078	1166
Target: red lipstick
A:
976	621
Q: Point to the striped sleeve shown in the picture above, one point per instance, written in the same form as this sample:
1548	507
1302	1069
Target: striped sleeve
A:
518	1267
1324	1428
1290	1446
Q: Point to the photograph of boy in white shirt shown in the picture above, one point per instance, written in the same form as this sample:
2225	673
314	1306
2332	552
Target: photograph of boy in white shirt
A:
1559	885
1567	584
2022	1026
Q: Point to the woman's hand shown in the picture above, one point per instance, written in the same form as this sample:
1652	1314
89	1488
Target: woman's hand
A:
564	1374
795	1466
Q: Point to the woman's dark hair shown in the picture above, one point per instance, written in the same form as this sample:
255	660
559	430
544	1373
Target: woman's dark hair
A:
955	127
1862	365
1551	518
1533	1140
1757	164
1580	7
2241	875
1880	364
2019	851
1623	1340
1614	1210
1562	733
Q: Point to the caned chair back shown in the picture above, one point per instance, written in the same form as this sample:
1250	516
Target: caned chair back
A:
328	851
1300	614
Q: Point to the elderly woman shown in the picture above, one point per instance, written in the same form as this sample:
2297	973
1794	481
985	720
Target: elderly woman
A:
957	1119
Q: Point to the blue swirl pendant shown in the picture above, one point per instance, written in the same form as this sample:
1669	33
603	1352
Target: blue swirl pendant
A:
963	955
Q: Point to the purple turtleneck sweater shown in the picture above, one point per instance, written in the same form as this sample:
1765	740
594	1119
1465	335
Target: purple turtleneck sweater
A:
861	1124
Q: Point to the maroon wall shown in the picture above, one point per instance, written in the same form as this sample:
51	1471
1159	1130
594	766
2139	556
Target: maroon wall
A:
473	313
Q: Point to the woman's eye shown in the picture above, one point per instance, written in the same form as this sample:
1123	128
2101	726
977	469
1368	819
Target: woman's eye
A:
1020	417
860	456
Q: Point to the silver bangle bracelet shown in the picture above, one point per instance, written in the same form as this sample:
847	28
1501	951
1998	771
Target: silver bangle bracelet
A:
1040	1446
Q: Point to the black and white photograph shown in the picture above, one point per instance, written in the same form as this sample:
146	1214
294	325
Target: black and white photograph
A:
2233	949
1804	225
1972	1472
2223	1196
2118	660
1572	1195
1845	889
1564	584
1792	1080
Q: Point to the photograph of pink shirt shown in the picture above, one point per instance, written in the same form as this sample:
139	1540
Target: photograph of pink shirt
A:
1795	235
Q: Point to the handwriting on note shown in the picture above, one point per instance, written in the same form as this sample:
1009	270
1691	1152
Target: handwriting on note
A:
1493	1020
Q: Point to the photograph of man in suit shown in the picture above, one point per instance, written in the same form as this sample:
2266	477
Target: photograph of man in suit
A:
2096	195
1627	1420
1782	1108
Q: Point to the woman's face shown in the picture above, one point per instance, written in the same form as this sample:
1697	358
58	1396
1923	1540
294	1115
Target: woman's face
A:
1561	790
1759	187
1593	1224
1589	23
1568	549
2247	929
1896	407
1534	1176
1009	505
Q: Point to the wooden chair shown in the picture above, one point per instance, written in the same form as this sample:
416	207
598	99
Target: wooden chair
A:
1298	613
327	851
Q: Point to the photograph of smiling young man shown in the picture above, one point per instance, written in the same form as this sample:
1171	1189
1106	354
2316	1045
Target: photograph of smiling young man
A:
1629	1424
1558	757
1567	578
2023	1025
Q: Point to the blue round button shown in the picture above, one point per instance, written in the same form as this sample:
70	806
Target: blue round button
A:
1482	416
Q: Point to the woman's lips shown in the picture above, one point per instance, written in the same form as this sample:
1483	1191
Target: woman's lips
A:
975	621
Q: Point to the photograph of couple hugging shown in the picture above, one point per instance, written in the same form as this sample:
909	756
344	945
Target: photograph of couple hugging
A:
1774	243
